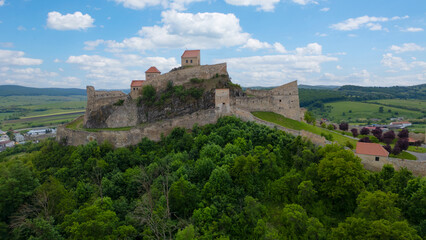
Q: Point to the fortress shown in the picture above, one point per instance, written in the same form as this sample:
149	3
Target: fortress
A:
188	95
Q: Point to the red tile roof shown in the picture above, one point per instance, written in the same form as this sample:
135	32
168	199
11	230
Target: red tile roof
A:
153	70
137	83
191	53
371	149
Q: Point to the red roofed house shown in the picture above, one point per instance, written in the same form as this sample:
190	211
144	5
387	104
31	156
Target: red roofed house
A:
135	88
400	124
191	58
151	73
371	153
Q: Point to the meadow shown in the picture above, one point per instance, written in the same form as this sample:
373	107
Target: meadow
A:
361	111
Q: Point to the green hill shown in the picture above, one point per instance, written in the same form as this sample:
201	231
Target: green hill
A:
15	90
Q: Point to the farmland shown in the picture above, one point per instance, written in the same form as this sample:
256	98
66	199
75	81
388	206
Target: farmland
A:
362	111
18	112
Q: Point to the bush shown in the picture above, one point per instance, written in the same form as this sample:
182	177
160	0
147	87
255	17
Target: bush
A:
344	126
403	133
388	148
331	127
149	94
329	137
119	103
365	139
402	144
364	131
196	80
354	132
349	145
323	125
388	137
377	132
396	150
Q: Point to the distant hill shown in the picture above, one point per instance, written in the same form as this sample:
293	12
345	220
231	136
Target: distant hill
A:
329	87
357	93
15	90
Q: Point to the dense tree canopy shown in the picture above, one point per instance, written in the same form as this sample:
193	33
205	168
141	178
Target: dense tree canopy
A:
230	180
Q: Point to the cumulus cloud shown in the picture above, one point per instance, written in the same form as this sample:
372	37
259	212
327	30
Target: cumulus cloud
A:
412	29
393	62
75	21
1	3
371	23
141	4
305	2
407	47
264	5
274	70
120	71
326	9
184	30
8	58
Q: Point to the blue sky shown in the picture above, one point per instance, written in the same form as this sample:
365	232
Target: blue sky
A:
108	43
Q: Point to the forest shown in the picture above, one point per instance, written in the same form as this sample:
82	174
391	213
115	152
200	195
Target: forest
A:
229	180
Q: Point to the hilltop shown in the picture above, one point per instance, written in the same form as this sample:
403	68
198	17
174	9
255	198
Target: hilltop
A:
16	90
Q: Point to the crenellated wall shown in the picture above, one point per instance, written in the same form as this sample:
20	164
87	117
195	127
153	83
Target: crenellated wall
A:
98	99
283	100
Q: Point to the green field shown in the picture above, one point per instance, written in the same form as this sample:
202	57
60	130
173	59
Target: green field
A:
360	111
17	112
410	104
296	125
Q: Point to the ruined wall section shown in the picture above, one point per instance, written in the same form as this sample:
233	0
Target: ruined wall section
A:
283	100
183	76
418	168
99	99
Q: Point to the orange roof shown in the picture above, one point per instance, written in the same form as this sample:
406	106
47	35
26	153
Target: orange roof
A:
191	53
153	70
137	83
398	123
411	140
371	149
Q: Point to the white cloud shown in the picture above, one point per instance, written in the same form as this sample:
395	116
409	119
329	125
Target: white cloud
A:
407	47
118	72
75	21
279	48
338	67
21	28
9	58
412	29
184	30
371	23
326	9
305	2
1	3
35	77
321	34
265	5
395	63
274	70
255	44
310	49
141	4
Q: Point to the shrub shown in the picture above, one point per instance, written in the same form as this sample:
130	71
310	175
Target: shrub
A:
403	133
344	126
119	103
148	94
364	131
396	150
402	144
354	132
329	137
365	139
349	145
388	148
323	125
196	80
377	132
388	137
331	127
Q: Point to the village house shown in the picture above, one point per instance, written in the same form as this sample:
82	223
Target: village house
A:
399	124
371	152
6	144
191	58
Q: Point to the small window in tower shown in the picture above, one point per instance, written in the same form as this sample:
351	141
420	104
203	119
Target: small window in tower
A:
134	89
186	61
191	61
377	158
280	100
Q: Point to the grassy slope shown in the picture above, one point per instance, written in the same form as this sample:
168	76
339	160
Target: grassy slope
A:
364	111
403	103
296	125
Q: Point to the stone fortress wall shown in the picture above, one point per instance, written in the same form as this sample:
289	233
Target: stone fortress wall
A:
283	100
98	99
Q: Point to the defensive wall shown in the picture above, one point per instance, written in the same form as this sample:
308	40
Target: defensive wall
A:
418	168
98	99
283	100
184	75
